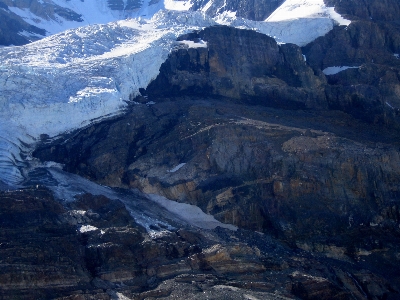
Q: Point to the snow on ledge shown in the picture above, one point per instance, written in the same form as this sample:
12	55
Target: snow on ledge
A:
190	213
176	168
335	70
337	17
196	44
87	228
301	21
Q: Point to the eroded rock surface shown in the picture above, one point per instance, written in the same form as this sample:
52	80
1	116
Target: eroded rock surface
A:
303	177
93	249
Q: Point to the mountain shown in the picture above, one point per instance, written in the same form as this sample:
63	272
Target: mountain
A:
24	21
89	73
227	150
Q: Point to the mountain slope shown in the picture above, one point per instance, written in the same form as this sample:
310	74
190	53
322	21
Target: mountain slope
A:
81	75
29	20
35	19
88	73
296	144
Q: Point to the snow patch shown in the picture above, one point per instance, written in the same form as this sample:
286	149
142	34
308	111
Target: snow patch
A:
190	213
335	70
194	44
301	21
388	104
87	228
302	9
79	212
337	17
176	168
180	5
207	6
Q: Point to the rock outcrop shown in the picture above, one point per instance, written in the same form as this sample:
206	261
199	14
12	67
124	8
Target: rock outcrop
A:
11	24
388	10
303	177
370	45
242	65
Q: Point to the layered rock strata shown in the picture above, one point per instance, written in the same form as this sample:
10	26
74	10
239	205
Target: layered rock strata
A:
93	249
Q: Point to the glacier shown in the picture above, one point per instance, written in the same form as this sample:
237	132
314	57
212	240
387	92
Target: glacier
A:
69	80
83	75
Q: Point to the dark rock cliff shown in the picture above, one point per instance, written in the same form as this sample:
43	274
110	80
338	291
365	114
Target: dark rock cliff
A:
242	65
371	46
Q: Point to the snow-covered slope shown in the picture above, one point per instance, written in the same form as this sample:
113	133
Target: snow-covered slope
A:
302	21
54	16
68	80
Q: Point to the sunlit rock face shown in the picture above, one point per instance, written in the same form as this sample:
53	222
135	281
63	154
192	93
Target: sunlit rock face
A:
256	142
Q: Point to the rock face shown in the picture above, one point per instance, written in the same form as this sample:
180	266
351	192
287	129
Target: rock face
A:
388	10
370	44
93	249
293	173
242	65
37	249
11	24
124	5
303	171
305	162
279	172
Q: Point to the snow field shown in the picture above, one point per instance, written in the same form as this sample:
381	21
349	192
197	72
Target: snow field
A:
190	213
335	70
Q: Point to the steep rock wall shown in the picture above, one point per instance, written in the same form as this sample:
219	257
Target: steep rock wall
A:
242	65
